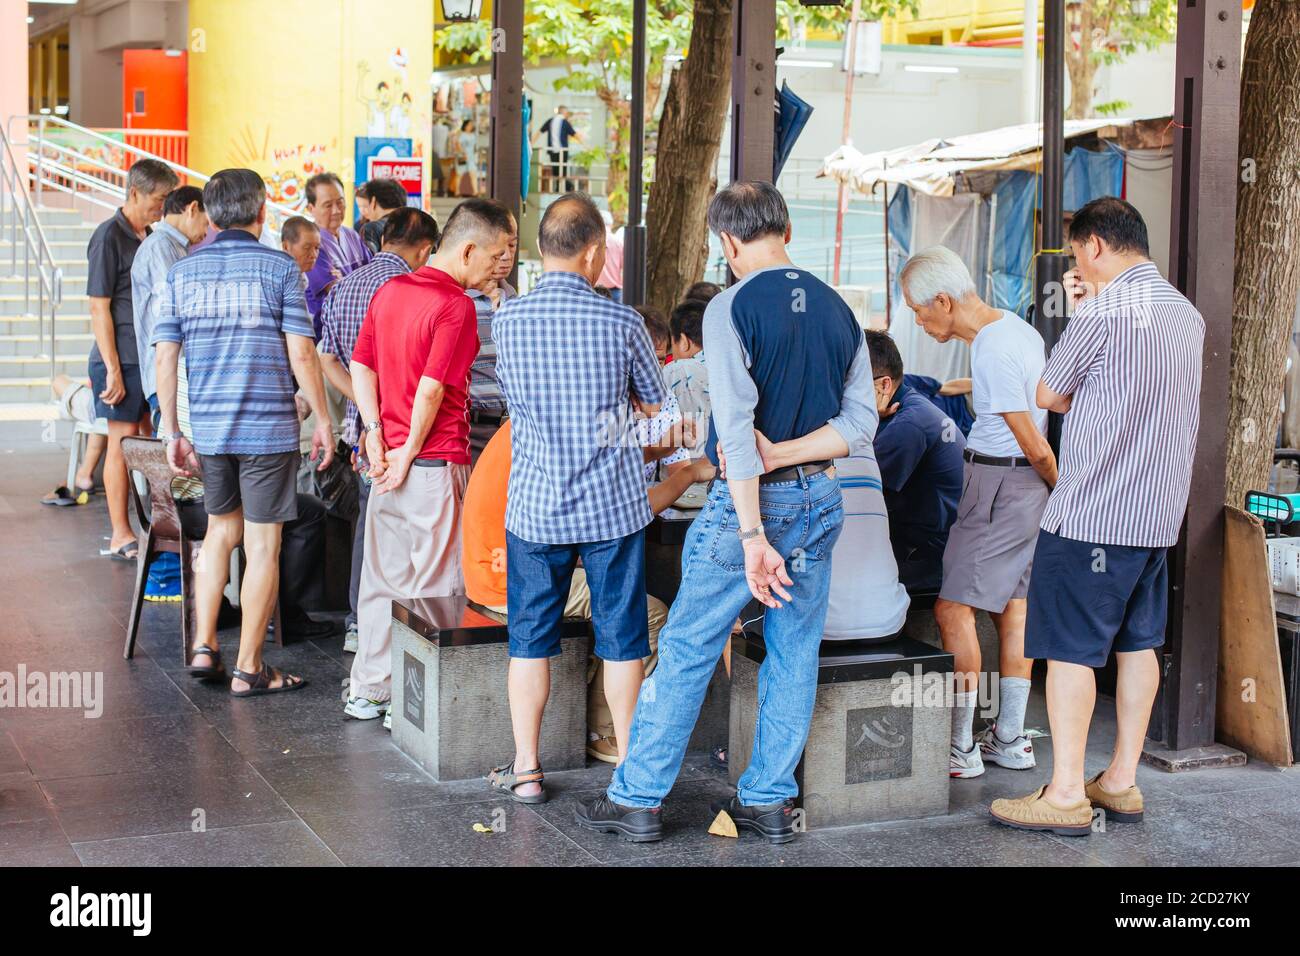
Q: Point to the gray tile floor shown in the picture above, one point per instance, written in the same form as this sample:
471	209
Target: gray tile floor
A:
288	781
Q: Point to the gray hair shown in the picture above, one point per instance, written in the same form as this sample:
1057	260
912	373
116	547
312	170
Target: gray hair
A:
233	197
149	176
749	211
934	270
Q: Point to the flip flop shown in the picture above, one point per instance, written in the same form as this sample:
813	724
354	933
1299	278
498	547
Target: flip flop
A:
128	552
62	497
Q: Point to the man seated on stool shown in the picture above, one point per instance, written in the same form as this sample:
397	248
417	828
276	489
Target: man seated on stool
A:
483	541
918	449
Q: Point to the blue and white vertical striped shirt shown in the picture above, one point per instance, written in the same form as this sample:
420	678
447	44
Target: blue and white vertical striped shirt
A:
1131	357
569	362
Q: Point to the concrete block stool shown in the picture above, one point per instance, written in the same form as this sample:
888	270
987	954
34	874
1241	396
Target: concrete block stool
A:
877	749
450	710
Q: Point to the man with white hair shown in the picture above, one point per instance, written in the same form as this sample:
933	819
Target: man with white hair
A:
1009	470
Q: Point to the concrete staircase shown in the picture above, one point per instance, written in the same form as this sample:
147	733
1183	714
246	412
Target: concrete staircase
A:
24	373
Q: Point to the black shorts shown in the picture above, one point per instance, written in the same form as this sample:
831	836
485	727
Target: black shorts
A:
1086	600
265	486
133	406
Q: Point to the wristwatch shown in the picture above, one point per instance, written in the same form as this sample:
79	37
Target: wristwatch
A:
751	533
175	436
373	426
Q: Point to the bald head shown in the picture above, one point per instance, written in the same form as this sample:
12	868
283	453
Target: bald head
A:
570	226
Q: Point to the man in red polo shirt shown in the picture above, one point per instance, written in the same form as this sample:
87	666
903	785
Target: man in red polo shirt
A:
410	376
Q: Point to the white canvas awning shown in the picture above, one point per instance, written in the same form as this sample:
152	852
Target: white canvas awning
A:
932	166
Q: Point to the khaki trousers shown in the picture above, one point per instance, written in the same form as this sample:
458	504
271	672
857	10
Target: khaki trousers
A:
578	607
412	550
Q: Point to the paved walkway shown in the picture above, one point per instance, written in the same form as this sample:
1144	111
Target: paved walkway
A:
178	772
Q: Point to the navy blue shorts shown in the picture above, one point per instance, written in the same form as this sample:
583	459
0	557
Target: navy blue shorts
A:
132	407
538	577
1086	600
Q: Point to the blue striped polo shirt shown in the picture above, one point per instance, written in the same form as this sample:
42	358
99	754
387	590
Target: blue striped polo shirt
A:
231	304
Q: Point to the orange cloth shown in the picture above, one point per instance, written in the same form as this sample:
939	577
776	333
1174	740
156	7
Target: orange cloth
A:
483	523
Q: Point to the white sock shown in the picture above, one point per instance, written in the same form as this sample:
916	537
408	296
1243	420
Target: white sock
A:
963	714
1013	697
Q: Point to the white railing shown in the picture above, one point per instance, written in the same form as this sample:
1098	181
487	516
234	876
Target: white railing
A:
90	167
18	214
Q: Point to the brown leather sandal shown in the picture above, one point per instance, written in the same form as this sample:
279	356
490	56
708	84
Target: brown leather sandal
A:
213	670
260	682
505	780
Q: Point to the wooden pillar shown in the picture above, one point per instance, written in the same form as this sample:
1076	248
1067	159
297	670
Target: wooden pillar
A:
505	143
1202	227
753	90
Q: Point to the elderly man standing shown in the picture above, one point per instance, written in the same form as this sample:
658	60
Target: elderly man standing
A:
571	363
786	357
407	241
487	406
1009	470
410	381
341	249
237	307
1127	376
115	356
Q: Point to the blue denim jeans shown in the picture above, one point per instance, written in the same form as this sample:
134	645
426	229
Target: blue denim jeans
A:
802	520
538	577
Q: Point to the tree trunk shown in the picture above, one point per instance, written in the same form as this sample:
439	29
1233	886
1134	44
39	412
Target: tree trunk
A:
1081	67
690	136
1266	275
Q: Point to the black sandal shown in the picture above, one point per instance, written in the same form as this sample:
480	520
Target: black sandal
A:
719	757
260	682
506	780
214	670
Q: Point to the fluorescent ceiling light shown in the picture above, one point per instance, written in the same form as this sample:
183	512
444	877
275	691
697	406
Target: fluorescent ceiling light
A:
918	68
810	64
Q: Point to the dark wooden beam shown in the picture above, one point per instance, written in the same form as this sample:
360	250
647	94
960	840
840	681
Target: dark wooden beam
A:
505	155
753	90
1202	227
634	237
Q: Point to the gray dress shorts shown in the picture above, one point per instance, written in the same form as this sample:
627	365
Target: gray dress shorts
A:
991	546
265	486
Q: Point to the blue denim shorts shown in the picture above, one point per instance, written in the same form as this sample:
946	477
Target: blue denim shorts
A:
537	588
1086	600
133	405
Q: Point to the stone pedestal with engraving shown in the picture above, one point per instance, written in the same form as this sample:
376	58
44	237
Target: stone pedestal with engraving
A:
450	711
878	746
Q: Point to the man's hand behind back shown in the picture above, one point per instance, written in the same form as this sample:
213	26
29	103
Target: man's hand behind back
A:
322	445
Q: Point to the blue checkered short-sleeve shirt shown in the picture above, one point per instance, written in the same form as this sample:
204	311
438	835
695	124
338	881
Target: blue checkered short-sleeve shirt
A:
570	363
231	304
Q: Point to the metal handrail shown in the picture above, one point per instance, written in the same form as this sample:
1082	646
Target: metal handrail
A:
15	204
41	162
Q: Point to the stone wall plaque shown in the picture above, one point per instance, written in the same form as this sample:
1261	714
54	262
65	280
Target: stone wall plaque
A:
413	690
878	744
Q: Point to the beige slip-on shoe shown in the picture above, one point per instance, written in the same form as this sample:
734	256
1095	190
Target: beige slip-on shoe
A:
1036	812
1124	806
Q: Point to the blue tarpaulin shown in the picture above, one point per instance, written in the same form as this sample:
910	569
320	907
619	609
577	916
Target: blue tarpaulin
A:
1088	175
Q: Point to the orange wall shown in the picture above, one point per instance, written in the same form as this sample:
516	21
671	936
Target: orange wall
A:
163	82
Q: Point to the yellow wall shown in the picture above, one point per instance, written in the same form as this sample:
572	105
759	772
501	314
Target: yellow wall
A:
286	90
941	22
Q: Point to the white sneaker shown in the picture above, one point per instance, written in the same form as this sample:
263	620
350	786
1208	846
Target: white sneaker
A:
1017	754
363	708
388	719
350	640
965	764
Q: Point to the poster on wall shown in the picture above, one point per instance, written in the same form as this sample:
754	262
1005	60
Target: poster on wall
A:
376	147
